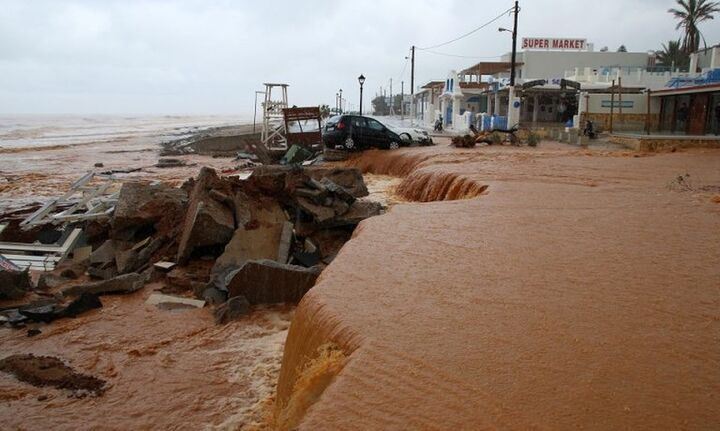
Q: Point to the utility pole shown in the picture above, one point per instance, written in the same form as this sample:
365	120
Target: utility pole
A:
620	91
412	84
514	46
612	105
402	100
392	102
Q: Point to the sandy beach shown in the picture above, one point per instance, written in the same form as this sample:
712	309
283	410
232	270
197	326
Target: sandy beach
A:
42	155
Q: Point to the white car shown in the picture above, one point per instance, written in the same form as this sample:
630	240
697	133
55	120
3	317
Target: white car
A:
412	135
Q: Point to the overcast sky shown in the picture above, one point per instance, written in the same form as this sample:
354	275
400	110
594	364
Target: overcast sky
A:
208	57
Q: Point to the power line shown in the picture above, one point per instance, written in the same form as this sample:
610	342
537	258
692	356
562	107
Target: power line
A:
470	32
407	59
459	56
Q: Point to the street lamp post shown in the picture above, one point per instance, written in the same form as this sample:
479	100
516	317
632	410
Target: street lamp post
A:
361	80
340	107
513	58
513	62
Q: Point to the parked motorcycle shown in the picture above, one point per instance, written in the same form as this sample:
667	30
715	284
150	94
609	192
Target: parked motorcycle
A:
589	130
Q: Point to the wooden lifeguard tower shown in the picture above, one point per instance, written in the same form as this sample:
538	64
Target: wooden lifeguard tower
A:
273	134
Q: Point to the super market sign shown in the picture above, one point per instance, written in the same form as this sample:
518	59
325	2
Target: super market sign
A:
551	43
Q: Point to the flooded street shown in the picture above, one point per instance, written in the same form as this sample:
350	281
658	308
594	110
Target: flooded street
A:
579	290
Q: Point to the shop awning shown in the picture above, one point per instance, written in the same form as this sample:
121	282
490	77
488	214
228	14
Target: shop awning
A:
489	68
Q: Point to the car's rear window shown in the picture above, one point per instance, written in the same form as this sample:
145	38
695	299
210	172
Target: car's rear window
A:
333	120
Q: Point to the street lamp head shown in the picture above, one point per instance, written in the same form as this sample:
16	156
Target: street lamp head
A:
501	29
361	79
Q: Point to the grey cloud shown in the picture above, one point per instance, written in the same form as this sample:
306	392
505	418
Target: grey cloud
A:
210	56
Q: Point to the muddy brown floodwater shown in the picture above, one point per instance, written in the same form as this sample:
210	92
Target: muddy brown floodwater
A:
564	289
163	369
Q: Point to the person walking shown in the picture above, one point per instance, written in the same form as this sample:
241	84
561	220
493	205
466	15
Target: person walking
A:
682	115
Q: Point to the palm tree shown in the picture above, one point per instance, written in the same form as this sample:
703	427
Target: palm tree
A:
672	54
690	14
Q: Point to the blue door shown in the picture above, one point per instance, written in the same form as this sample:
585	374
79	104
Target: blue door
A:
448	115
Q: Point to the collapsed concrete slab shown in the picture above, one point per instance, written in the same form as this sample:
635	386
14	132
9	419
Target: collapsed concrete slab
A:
207	222
140	205
259	238
269	282
126	283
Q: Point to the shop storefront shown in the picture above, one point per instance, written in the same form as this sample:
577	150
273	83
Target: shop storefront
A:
691	110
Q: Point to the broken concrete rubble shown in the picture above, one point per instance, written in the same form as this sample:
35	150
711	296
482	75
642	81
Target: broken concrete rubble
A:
48	280
102	273
126	260
269	282
173	302
105	254
14	284
49	312
350	179
141	205
233	309
126	283
231	238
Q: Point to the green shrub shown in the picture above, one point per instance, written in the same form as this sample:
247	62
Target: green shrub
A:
533	139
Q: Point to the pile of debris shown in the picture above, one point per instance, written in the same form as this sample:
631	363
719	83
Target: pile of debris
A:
464	141
230	242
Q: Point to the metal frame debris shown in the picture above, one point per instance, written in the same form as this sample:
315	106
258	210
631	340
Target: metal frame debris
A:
81	202
42	257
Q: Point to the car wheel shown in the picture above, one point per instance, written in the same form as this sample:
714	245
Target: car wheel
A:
394	145
349	143
406	137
